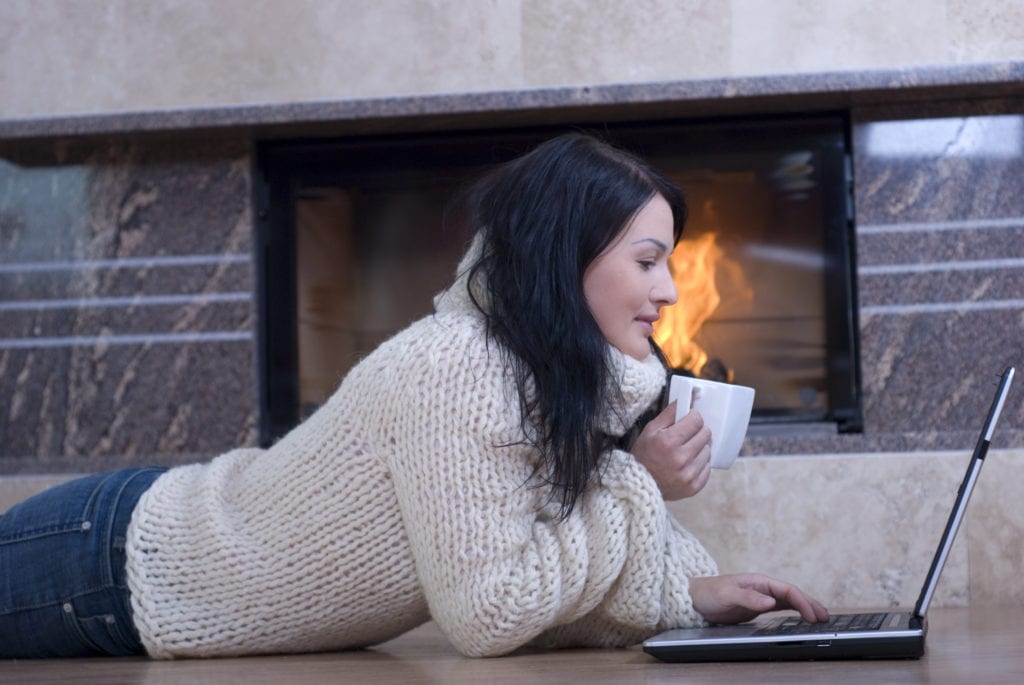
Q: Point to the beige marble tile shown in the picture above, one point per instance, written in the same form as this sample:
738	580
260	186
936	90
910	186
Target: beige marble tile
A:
991	30
995	525
609	41
126	55
793	36
14	489
854	530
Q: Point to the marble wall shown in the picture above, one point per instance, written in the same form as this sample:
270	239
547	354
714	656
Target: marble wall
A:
122	55
126	303
148	245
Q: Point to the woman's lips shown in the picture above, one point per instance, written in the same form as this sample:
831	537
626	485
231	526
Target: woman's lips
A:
647	324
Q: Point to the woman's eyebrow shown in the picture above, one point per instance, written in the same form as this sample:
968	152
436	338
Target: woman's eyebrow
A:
661	246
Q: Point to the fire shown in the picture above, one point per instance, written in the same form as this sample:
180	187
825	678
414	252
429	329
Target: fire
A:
694	264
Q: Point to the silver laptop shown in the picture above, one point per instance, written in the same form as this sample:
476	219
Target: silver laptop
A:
886	635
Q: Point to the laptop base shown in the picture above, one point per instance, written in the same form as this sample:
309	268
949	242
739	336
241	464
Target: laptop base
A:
816	649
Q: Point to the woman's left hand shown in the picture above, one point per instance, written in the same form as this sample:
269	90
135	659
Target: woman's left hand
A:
738	598
676	453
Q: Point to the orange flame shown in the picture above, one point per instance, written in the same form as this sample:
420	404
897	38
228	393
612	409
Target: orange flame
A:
693	265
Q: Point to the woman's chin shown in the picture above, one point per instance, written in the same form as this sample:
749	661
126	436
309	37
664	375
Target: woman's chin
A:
640	350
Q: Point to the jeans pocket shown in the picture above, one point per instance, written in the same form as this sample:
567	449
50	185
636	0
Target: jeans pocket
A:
100	634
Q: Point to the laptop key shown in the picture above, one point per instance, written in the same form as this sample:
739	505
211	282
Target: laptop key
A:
839	623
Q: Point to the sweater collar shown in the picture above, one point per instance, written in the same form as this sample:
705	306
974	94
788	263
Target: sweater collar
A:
640	384
457	296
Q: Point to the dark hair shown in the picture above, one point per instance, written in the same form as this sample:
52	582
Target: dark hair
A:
544	218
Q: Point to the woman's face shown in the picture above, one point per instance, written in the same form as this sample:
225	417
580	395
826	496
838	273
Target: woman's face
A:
629	283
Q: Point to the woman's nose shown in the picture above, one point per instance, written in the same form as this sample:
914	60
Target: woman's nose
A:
665	293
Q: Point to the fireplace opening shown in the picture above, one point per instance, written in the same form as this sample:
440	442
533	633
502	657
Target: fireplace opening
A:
354	243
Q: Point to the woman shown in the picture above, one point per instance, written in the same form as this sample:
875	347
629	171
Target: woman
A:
495	467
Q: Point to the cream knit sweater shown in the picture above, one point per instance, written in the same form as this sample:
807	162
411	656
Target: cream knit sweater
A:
397	502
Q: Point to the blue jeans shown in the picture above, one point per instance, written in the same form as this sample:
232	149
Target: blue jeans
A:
63	590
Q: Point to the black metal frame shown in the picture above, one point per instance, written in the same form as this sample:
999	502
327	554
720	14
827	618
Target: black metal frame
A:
277	324
284	168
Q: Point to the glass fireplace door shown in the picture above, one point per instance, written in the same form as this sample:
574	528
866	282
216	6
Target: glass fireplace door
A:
357	240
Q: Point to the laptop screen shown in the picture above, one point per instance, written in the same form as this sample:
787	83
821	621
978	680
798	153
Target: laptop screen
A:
963	495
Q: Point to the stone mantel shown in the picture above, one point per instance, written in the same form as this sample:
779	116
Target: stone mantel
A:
540	106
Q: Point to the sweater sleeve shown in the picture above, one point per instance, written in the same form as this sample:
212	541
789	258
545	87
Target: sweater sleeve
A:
657	578
496	565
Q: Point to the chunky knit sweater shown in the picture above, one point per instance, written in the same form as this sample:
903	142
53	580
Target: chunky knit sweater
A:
409	495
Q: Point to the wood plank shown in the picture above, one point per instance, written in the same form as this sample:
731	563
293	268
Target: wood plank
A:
981	645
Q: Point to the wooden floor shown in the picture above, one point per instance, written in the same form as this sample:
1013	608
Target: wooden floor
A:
979	647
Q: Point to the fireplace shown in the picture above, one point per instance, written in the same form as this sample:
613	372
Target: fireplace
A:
354	242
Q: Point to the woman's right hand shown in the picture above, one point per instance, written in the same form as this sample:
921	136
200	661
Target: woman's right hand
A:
741	597
676	453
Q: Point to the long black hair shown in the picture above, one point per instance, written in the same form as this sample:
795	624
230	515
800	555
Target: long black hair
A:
543	218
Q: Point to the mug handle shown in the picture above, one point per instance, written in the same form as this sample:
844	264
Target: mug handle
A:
679	392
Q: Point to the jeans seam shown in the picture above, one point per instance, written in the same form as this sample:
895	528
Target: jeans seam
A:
64	599
33	534
107	540
90	504
114	509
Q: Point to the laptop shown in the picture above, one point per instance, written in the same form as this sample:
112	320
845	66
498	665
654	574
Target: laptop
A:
884	635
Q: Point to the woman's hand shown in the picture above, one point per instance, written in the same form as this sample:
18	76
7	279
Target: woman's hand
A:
738	598
677	453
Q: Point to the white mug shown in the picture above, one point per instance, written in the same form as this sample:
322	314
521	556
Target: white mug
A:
725	409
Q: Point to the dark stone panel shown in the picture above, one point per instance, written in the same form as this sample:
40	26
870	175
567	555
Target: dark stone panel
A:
53	326
949	168
125	282
928	383
948	245
88	407
106	407
936	372
939	190
64	201
936	287
934	184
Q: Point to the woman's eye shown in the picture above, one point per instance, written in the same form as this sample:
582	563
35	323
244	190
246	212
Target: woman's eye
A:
646	264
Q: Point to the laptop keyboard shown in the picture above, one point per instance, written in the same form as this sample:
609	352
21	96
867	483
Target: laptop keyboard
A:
840	623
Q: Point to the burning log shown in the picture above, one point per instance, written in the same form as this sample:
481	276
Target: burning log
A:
716	370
